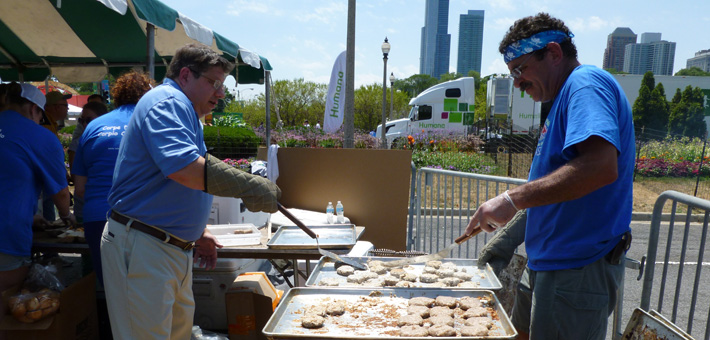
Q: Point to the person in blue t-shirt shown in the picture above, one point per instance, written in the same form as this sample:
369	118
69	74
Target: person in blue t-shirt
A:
32	161
160	200
579	191
96	155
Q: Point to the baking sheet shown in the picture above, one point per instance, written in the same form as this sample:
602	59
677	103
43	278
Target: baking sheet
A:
236	234
484	278
330	236
644	326
372	320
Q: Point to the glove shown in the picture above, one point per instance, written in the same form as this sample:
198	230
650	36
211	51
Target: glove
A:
499	250
69	220
258	193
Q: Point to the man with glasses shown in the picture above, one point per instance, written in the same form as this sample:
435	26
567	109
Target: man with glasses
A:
56	110
161	197
579	191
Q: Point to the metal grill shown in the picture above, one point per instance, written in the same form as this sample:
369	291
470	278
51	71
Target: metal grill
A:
393	253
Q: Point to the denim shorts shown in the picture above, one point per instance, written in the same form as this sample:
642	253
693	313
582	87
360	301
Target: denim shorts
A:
11	262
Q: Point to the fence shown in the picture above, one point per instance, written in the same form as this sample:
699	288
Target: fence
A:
682	251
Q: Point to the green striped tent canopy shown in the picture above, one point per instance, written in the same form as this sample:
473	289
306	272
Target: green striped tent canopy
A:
83	40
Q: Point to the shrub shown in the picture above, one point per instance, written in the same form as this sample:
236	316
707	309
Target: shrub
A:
228	142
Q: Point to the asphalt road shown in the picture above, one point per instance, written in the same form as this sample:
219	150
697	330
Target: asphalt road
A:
678	313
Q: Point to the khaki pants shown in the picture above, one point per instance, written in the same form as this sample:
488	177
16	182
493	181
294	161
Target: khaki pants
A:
148	285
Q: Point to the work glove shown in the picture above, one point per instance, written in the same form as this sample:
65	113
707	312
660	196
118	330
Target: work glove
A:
499	250
257	193
69	220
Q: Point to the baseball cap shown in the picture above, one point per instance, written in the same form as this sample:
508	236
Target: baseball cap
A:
54	96
33	94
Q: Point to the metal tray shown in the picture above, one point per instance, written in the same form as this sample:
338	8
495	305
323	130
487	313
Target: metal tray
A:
652	326
484	277
330	236
370	322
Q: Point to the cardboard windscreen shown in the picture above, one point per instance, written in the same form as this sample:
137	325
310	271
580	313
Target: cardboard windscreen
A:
373	186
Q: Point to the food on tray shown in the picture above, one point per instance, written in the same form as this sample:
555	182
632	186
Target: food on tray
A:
475	311
444	272
410	319
329	281
421	301
429	270
411	277
434	264
475	330
345	270
312	321
469	284
442	330
450	281
379	269
468	302
390	280
413	331
441	320
374	263
335	308
449	266
428	278
446	301
441	310
403	284
397	272
422	311
479	320
240	231
29	307
463	276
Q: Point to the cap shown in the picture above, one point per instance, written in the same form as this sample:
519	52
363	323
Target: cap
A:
54	96
33	94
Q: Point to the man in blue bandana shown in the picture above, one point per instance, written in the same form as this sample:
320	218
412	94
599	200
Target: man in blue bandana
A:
579	192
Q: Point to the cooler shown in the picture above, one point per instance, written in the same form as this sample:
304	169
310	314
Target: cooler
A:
209	287
229	210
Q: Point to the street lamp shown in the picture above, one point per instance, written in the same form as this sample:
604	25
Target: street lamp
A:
239	95
385	52
391	95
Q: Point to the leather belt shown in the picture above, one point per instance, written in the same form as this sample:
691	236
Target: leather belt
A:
152	231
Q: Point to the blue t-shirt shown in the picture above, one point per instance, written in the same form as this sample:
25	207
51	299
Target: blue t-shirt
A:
96	158
575	233
163	136
32	160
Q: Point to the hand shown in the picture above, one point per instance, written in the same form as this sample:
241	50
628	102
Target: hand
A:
40	222
500	248
69	220
206	250
491	215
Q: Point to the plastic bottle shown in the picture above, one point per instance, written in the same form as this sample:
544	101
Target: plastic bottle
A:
340	211
329	213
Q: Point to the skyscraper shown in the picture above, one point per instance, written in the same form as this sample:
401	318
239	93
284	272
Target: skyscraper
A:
701	61
436	41
615	43
654	55
470	42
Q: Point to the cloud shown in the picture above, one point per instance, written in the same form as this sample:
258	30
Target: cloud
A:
590	24
333	12
502	4
243	7
497	66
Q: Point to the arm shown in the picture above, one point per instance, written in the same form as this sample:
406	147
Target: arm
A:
79	185
61	200
191	176
594	167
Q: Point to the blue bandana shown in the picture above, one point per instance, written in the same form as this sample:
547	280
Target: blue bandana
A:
533	43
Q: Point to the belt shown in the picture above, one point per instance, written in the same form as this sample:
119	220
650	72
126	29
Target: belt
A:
152	231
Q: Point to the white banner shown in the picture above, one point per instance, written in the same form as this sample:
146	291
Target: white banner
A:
335	102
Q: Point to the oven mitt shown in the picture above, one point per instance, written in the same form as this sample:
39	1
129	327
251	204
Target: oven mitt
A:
499	250
258	193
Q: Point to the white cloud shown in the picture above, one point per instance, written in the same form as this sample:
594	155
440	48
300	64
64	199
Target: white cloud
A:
334	12
497	66
502	4
243	7
590	24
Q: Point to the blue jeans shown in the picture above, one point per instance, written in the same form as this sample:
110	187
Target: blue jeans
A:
92	233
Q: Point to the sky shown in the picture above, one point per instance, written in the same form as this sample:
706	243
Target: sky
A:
302	38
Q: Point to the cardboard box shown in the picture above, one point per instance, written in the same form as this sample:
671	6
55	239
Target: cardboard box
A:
247	314
76	318
259	284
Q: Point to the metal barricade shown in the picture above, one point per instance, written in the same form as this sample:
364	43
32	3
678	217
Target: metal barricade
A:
682	249
442	203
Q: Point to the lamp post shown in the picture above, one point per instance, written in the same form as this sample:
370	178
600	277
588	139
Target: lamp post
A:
239	95
391	95
385	52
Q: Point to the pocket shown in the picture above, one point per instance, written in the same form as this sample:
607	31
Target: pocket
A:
581	315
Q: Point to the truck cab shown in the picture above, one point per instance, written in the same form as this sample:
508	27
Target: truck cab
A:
443	108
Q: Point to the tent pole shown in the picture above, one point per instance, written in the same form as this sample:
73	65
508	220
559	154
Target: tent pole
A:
267	96
150	49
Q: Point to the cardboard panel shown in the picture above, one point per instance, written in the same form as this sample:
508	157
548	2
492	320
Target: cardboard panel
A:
372	184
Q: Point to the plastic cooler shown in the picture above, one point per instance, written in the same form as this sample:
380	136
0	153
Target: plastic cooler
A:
209	286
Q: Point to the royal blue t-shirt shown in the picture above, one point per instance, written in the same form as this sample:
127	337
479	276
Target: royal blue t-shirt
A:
163	136
575	233
96	158
32	160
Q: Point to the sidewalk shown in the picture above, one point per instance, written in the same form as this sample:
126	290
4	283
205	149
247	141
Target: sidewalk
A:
646	216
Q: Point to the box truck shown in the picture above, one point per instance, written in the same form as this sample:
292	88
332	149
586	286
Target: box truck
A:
446	107
506	103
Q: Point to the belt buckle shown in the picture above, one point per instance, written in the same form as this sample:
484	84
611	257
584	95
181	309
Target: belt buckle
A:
188	246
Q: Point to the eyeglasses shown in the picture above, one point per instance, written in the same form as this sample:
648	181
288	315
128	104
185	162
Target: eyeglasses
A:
518	71
217	84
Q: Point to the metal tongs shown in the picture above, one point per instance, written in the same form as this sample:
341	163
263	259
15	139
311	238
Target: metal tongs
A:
437	256
312	234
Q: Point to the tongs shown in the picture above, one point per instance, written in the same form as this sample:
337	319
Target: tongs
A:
323	252
437	256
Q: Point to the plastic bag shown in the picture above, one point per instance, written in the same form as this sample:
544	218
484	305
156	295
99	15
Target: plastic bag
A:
39	296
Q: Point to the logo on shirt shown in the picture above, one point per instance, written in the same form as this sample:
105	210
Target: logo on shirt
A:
1	135
541	141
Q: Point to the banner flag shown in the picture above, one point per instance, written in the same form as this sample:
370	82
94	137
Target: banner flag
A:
335	102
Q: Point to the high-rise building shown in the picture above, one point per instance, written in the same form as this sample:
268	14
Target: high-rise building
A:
615	43
656	56
436	41
470	42
701	61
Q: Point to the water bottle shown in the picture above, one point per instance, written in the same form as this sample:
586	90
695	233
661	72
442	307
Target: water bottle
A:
329	213
340	211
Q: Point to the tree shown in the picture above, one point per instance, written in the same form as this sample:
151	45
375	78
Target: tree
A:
650	110
693	72
615	71
686	118
415	84
648	80
476	78
294	100
450	76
